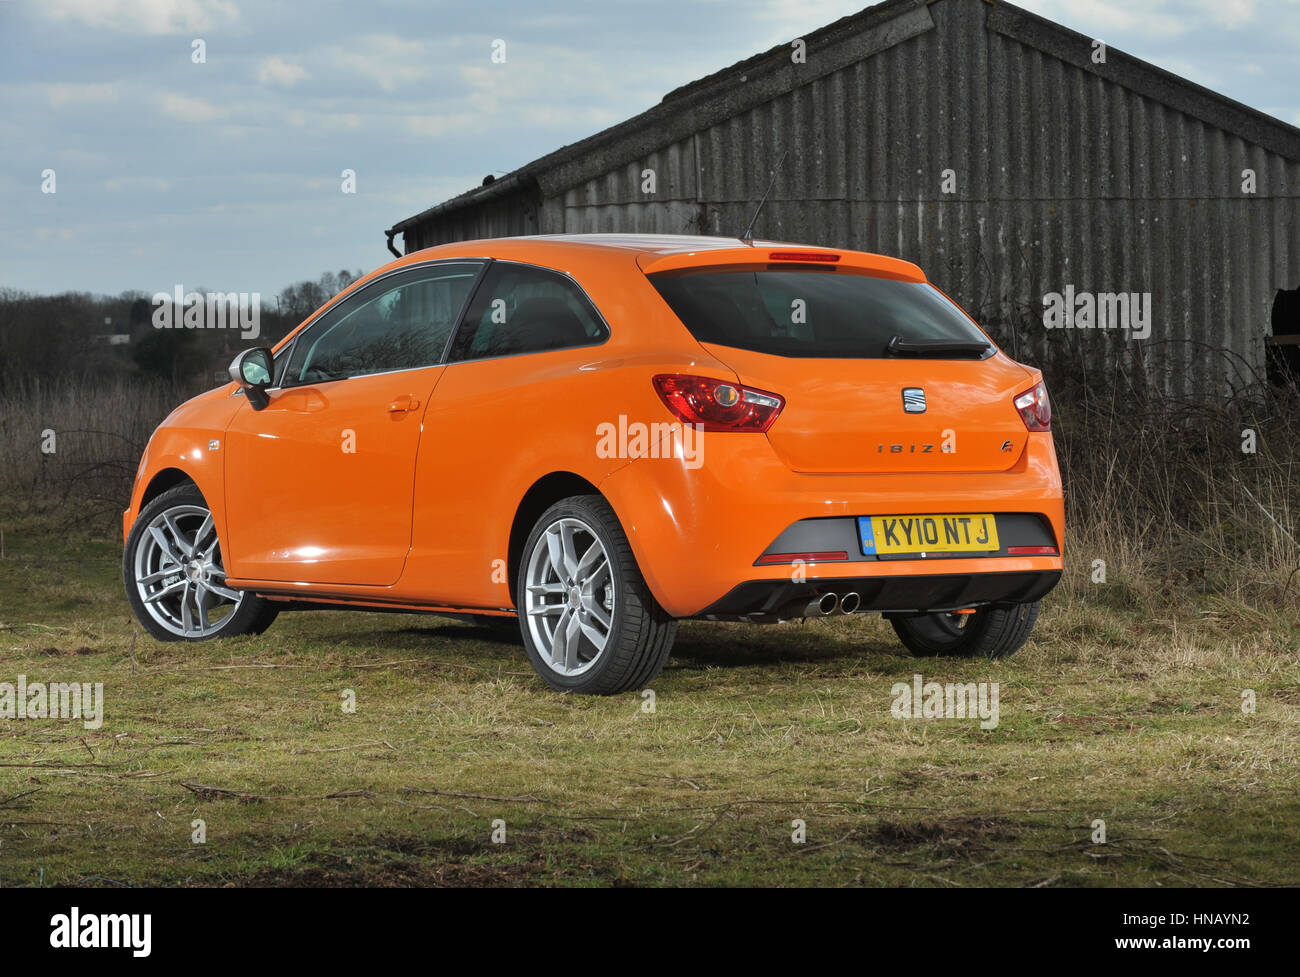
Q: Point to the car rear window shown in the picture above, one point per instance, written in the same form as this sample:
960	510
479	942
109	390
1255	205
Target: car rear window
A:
811	312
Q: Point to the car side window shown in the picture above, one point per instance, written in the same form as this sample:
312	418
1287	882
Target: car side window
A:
399	323
524	309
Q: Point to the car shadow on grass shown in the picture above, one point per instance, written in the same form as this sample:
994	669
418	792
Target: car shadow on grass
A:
703	644
699	644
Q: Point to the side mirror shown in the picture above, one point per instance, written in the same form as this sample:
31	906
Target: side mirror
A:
254	371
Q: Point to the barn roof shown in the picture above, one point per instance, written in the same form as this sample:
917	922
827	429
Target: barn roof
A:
757	79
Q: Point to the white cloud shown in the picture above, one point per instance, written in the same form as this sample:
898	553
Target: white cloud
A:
1114	20
275	70
1233	14
192	109
143	16
437	126
790	18
346	121
60	95
385	59
150	184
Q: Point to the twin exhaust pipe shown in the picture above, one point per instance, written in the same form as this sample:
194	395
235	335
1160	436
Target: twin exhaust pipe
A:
819	605
823	605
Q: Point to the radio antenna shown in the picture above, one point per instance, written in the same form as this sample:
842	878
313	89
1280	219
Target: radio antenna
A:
748	236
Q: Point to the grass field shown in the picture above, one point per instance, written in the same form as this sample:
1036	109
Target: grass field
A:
1125	708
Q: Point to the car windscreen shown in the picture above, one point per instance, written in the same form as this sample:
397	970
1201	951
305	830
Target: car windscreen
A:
817	313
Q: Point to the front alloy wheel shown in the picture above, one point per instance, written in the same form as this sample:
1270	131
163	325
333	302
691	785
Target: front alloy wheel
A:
589	622
174	576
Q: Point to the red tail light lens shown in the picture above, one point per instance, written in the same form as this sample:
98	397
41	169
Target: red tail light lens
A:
770	558
717	404
1031	551
1035	409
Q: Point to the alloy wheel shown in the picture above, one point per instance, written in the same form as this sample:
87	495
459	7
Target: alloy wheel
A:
179	574
570	599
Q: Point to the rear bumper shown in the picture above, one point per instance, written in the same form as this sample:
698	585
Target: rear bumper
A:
697	531
766	599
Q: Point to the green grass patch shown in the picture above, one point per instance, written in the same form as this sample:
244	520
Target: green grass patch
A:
1119	709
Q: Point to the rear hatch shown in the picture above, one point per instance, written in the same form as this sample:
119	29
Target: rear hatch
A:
878	373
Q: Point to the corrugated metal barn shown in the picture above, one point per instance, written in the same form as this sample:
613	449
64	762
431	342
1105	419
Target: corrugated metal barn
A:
990	146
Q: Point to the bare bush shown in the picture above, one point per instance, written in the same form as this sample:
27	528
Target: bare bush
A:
1164	493
71	445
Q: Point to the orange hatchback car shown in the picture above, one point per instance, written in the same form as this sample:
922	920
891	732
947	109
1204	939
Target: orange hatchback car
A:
599	435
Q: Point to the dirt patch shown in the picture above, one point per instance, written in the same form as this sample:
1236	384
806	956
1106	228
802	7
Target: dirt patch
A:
398	874
951	832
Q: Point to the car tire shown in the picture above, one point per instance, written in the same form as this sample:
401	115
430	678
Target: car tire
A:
175	578
991	632
588	620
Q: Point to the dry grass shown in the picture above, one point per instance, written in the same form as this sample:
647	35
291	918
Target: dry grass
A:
1126	707
100	429
1127	714
1165	495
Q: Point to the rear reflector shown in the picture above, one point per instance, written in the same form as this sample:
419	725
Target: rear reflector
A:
825	256
768	558
1031	551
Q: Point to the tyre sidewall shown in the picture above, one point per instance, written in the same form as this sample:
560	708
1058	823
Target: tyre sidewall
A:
594	679
254	614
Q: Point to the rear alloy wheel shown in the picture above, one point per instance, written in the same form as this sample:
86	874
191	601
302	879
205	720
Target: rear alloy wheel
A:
175	579
589	622
991	632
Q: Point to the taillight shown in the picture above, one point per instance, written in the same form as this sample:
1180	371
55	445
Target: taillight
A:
717	404
1035	409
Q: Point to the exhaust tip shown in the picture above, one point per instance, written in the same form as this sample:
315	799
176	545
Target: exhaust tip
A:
828	603
849	603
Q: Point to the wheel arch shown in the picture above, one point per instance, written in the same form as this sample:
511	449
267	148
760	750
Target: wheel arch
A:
541	495
162	481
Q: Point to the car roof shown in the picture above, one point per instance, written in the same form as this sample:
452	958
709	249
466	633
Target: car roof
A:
660	252
657	244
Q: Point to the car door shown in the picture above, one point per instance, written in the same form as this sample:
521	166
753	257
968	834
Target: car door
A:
517	393
319	483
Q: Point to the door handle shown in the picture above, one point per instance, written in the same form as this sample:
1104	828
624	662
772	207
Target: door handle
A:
403	405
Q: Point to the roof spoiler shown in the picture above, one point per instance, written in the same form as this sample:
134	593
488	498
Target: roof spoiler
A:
766	253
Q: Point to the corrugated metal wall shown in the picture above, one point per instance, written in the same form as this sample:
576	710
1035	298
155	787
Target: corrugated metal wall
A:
511	215
1063	178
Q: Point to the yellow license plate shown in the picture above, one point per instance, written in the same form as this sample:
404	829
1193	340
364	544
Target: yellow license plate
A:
970	532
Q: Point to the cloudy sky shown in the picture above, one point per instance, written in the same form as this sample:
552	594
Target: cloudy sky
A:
226	174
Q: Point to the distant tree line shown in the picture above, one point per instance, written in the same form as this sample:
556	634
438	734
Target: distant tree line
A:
45	337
